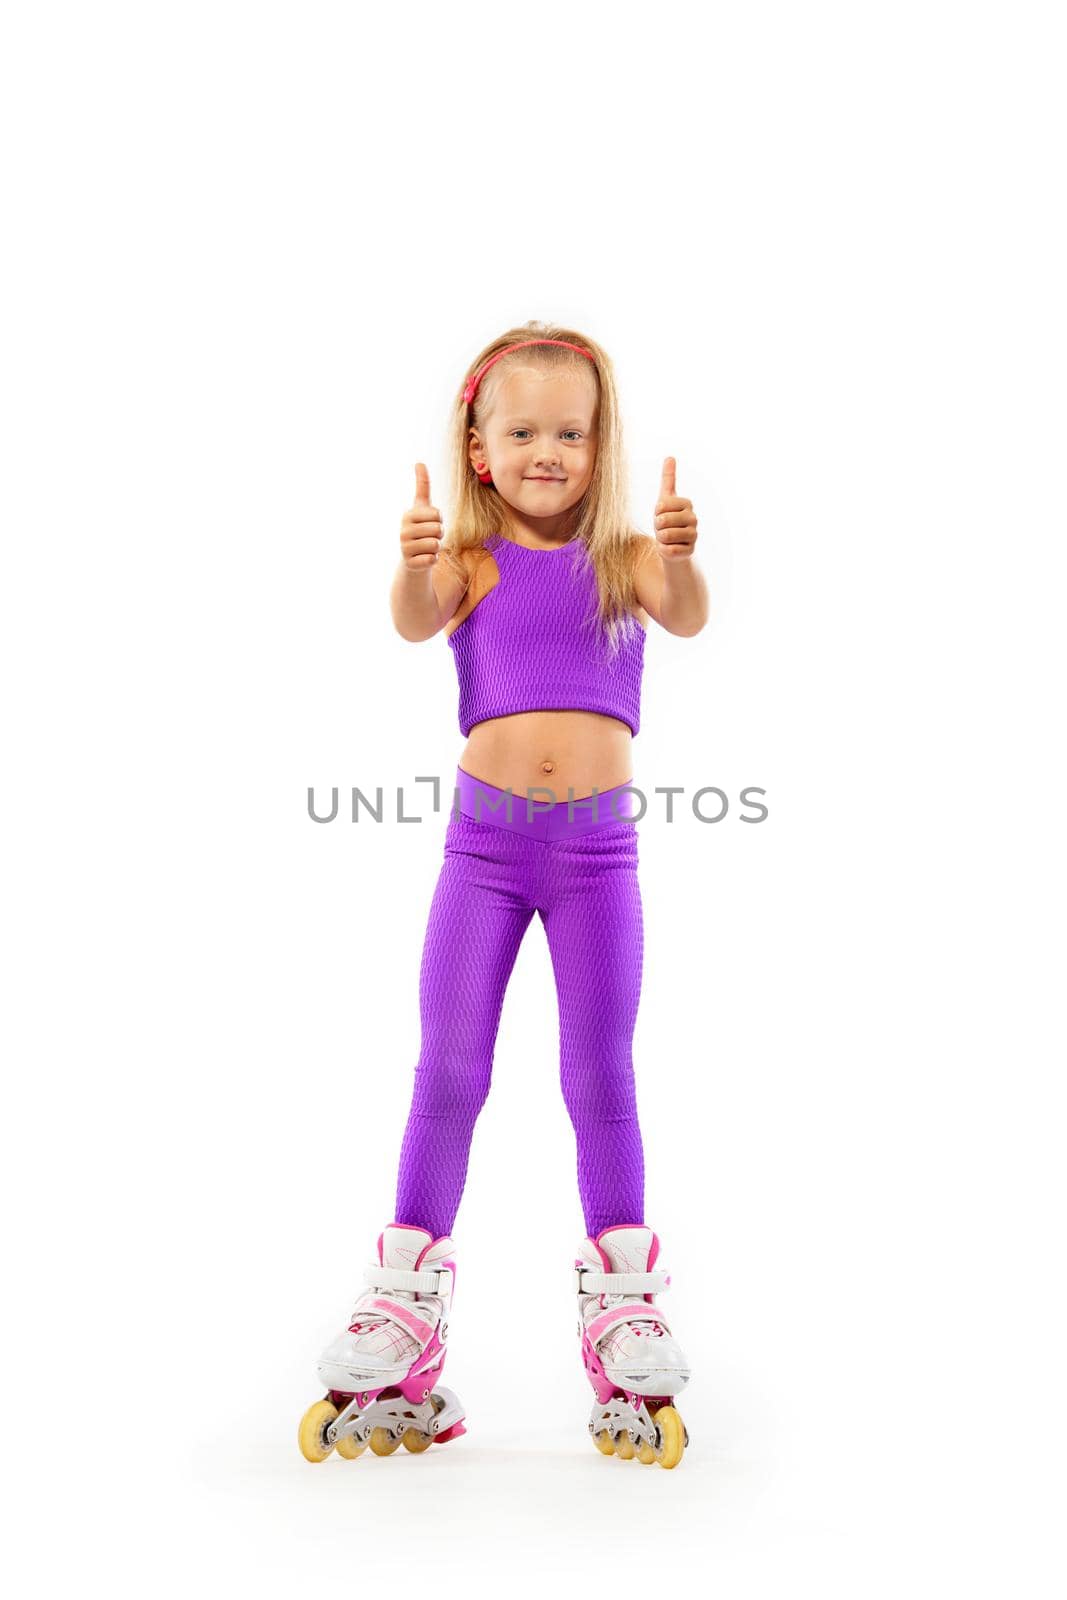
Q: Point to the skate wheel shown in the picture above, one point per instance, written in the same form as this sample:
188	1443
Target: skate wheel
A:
312	1434
349	1447
604	1443
645	1454
417	1442
382	1442
672	1436
624	1447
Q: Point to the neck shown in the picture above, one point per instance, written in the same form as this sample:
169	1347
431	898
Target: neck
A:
540	530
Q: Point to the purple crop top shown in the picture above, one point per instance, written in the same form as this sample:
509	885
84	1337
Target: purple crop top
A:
529	644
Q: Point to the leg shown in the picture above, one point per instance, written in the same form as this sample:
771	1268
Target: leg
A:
593	923
478	916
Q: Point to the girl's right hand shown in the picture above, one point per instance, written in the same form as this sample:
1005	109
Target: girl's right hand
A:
420	529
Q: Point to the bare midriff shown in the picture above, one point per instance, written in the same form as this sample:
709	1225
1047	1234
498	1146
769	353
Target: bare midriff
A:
550	750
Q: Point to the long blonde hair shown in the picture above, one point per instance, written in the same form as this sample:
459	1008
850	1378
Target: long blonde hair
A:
603	523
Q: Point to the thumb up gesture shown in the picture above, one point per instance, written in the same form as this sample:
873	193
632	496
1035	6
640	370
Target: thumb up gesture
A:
676	524
420	528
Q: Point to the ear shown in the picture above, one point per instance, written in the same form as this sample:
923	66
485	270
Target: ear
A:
475	448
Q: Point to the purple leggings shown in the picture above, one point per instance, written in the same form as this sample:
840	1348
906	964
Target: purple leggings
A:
579	874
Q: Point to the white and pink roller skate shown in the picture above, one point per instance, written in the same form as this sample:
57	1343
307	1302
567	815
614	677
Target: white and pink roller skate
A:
380	1374
631	1359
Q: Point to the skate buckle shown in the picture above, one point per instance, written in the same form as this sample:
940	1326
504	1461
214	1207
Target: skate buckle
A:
436	1280
590	1280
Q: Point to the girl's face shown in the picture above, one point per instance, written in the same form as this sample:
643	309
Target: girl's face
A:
539	441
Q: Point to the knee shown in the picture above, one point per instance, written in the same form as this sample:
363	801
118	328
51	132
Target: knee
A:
599	1088
451	1086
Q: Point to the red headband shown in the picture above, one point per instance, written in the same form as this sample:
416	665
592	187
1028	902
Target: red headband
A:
472	383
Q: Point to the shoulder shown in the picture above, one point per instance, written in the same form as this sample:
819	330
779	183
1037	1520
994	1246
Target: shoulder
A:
470	557
455	568
647	576
640	547
471	573
451	577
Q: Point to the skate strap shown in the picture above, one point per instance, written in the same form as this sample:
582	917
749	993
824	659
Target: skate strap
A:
634	1311
590	1281
403	1313
436	1282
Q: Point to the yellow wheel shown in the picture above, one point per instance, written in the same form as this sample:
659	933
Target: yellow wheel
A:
672	1434
382	1442
417	1442
624	1447
604	1443
313	1425
350	1448
645	1454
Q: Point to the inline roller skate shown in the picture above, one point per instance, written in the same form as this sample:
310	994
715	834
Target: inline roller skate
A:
630	1357
380	1374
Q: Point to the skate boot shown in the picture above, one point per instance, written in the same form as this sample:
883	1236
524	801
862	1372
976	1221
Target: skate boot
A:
380	1373
633	1363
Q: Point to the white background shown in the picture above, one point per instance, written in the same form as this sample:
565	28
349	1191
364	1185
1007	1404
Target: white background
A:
250	249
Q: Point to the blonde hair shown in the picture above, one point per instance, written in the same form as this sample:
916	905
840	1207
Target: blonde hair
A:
603	523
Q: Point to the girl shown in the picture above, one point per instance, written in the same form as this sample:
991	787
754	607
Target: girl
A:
543	590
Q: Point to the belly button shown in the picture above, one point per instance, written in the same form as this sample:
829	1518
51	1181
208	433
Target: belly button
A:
548	766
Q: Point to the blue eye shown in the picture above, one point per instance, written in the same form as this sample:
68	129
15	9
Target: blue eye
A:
575	431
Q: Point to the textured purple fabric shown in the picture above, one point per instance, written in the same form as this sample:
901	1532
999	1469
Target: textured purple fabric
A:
583	885
542	818
532	643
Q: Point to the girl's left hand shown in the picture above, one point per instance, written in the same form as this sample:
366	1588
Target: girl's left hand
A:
676	523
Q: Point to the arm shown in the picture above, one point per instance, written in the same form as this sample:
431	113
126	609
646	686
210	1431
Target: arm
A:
426	590
670	585
672	589
423	599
